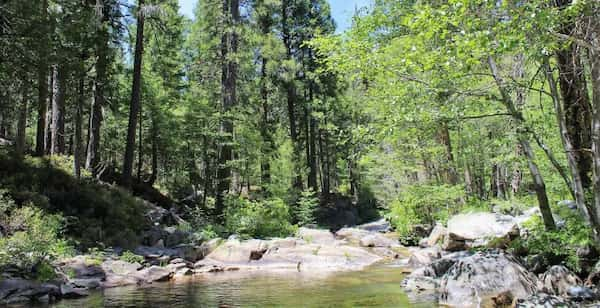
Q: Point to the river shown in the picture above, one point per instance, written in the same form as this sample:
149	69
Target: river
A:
376	286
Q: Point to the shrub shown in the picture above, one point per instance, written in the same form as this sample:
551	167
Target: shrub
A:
32	238
306	206
424	204
559	244
95	213
260	219
131	257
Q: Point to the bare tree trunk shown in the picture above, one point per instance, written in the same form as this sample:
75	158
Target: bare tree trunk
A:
140	162
267	146
22	122
42	83
78	129
136	93
538	181
154	132
449	169
58	111
40	138
93	146
48	128
312	152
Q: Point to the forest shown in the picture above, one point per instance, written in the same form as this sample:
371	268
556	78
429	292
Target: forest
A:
132	132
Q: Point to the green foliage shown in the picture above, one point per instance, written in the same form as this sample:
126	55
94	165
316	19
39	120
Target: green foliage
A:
32	239
131	257
258	219
44	272
95	213
562	243
424	204
304	211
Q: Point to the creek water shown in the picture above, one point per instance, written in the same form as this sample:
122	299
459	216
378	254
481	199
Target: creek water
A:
376	286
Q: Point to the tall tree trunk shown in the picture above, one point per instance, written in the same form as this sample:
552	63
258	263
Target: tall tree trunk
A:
154	133
594	59
577	108
136	93
78	123
140	162
267	139
572	156
48	129
93	146
229	45
444	139
58	111
42	83
22	122
324	165
538	181
291	94
311	143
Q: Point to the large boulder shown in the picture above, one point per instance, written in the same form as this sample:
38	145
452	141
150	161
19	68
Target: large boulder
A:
483	275
377	240
436	236
210	246
316	236
238	252
81	267
558	280
21	290
315	257
120	273
365	238
154	274
351	235
423	256
289	253
381	226
542	300
477	229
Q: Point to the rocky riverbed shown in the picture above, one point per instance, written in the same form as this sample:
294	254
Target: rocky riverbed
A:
464	265
311	250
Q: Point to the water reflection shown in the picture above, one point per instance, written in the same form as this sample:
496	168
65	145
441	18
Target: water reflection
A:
378	286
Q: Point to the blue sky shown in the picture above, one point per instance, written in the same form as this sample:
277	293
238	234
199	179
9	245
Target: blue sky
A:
342	10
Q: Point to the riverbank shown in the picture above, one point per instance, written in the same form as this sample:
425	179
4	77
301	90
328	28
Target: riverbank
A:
311	250
471	262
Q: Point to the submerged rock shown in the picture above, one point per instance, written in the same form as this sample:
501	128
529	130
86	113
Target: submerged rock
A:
421	288
472	280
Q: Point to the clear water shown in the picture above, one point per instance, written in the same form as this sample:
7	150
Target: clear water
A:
377	286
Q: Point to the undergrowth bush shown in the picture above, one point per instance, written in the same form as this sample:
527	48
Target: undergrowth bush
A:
304	211
258	219
424	204
31	238
559	244
131	257
96	214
